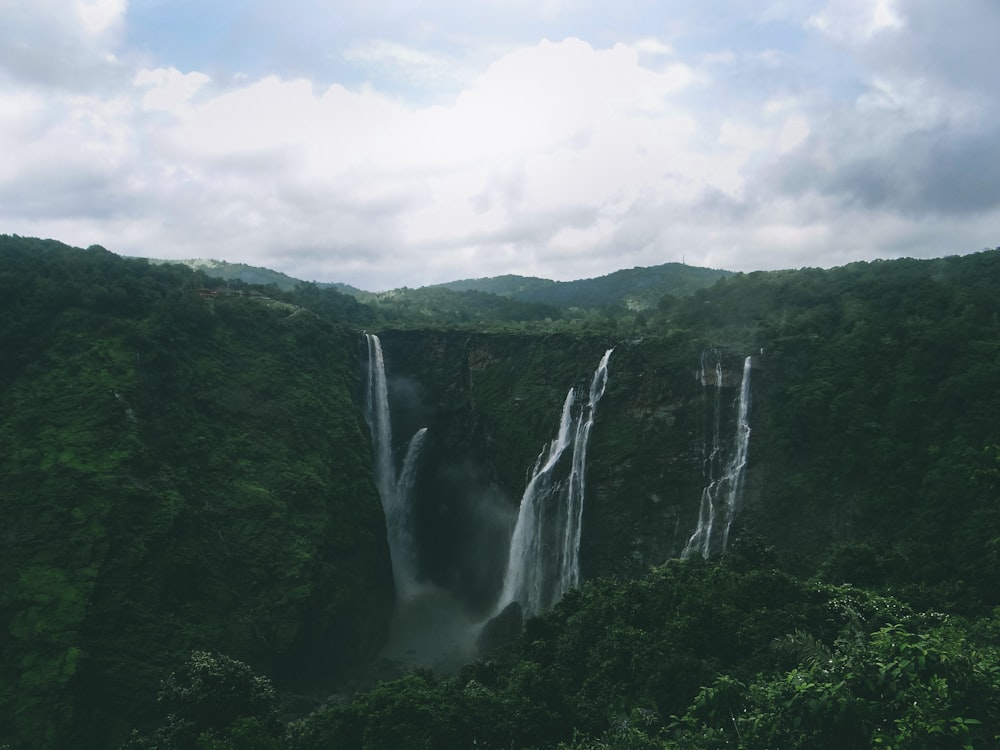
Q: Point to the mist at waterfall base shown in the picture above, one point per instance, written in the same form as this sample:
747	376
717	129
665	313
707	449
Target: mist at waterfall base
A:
462	524
461	520
448	560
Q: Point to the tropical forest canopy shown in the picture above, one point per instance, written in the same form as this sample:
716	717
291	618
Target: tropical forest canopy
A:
195	555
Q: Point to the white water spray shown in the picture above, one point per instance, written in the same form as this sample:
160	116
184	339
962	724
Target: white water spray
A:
394	491
723	492
544	557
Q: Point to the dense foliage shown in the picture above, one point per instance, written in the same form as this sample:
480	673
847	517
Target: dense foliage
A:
188	503
876	412
628	289
694	655
179	472
490	303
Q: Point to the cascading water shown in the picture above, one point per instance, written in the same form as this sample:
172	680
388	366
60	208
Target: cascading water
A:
544	557
394	491
377	413
720	499
742	445
713	456
402	541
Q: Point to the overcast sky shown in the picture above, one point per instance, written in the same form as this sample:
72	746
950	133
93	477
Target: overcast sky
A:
397	142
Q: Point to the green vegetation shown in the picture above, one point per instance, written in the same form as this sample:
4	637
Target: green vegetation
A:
628	289
693	655
188	507
539	305
239	272
875	405
488	304
178	473
508	285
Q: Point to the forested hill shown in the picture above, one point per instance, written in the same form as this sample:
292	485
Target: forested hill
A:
631	289
178	472
498	298
194	547
254	275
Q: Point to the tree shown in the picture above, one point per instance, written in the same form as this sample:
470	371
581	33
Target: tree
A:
213	701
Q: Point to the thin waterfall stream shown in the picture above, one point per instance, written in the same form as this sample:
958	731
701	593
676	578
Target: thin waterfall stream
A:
544	558
723	491
395	489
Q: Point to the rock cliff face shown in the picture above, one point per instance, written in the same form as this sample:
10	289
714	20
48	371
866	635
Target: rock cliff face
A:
867	428
492	401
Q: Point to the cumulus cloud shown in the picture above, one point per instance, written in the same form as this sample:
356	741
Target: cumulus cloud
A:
98	16
856	20
169	90
563	157
61	44
916	140
411	65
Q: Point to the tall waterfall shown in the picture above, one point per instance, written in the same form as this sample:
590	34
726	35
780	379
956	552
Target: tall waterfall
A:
544	558
394	491
720	499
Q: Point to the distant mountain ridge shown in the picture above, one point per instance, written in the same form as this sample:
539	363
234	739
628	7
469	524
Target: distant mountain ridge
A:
634	289
508	285
248	274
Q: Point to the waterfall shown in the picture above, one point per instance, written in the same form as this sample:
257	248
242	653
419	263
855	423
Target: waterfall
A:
544	557
394	492
720	499
378	422
402	543
741	444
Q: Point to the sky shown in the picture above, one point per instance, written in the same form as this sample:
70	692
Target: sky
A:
393	143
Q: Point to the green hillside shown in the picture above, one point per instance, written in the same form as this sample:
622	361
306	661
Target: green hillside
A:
631	289
253	275
495	300
179	473
241	272
195	549
508	285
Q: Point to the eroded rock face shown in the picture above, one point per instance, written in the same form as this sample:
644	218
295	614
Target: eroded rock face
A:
492	401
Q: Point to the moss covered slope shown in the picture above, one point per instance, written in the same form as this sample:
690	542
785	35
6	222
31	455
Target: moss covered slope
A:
178	472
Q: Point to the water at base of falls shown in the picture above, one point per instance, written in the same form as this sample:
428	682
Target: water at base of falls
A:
432	628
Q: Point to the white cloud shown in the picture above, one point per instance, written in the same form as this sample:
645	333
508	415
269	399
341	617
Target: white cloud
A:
855	21
561	158
652	46
411	65
61	43
169	90
97	16
793	133
572	133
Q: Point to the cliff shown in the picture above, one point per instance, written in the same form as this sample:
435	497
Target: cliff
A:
178	474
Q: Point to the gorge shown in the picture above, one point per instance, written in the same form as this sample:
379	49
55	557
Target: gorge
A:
543	550
254	475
